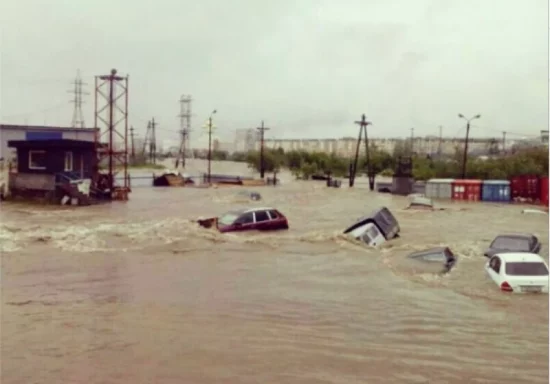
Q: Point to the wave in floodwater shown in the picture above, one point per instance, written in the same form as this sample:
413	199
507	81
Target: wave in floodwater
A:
161	234
123	284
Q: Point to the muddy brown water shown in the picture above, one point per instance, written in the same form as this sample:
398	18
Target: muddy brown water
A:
136	293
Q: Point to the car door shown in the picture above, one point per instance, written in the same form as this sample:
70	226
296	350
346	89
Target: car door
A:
245	222
277	222
493	269
262	221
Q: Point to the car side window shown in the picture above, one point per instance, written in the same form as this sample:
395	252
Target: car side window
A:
246	218
273	214
261	216
495	264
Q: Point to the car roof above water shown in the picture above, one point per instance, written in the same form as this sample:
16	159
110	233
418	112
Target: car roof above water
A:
248	210
258	209
516	235
384	219
517	257
429	251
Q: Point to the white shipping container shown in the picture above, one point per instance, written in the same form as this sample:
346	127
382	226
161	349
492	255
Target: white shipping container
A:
439	188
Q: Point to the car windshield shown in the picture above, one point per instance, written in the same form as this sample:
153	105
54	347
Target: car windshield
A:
526	269
228	219
511	243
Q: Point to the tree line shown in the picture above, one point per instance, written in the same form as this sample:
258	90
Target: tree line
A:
533	161
304	164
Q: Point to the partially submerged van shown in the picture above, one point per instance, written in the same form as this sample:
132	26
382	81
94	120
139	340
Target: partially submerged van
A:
376	228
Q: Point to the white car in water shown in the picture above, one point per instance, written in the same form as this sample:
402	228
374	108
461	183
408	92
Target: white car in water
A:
519	272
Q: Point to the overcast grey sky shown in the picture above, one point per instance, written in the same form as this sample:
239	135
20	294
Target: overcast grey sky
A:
308	68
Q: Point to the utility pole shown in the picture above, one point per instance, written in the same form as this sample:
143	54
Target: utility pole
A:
132	143
465	156
363	123
412	141
147	139
78	116
153	142
262	130
503	141
210	126
150	142
440	140
185	129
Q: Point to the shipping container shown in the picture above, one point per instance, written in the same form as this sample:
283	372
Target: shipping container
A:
496	191
525	187
543	184
439	188
466	190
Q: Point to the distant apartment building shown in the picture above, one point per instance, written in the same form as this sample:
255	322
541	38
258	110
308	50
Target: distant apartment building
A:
544	137
347	146
245	140
218	145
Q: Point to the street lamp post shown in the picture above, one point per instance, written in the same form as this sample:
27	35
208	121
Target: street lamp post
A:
210	126
465	156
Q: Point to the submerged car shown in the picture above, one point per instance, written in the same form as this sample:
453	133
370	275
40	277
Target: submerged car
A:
514	242
249	195
172	179
253	219
421	203
376	228
519	272
437	260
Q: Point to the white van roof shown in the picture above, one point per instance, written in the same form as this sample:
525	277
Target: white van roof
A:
515	257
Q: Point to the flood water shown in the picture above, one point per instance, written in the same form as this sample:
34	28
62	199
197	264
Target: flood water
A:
136	292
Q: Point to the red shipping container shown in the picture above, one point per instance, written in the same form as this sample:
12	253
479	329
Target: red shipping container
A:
525	187
467	190
543	184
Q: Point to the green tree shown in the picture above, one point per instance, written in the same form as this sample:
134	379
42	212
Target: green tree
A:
305	164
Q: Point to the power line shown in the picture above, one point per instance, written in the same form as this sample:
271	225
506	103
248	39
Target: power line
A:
27	114
507	132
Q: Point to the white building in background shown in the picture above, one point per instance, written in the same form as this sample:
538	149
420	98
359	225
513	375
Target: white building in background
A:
245	140
544	137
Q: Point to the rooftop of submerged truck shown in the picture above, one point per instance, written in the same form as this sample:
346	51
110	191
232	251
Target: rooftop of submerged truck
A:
384	220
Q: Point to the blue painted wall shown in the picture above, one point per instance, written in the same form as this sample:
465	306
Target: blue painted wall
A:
43	135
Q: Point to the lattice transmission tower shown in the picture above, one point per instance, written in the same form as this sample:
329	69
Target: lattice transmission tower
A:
111	121
78	92
185	130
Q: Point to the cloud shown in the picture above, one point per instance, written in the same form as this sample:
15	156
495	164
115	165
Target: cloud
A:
308	68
